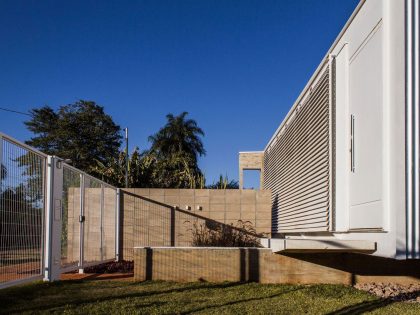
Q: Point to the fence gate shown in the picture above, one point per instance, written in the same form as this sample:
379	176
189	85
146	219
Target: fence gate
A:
22	212
54	218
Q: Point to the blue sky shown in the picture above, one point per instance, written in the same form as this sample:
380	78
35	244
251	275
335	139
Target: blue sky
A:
235	66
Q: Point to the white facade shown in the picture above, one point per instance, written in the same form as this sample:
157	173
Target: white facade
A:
371	182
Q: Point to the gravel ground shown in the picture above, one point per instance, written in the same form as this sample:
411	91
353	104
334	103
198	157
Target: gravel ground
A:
392	291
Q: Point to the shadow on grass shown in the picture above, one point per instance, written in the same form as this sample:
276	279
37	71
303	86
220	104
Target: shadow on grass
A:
368	306
242	301
362	307
14	296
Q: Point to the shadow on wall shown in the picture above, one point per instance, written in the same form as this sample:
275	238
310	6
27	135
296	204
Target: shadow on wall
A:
188	265
274	214
147	222
363	267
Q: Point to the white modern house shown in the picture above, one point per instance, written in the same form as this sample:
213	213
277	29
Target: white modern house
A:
343	166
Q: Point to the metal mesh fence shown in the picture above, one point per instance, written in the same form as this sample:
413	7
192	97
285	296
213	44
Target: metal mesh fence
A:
109	222
48	209
146	222
99	226
22	196
70	231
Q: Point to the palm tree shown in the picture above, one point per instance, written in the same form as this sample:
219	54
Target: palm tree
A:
179	136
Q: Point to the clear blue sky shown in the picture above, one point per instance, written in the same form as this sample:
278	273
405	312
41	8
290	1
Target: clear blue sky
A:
235	66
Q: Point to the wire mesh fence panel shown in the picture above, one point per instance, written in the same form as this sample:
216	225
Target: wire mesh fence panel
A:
186	227
92	235
159	223
22	212
70	231
145	223
109	221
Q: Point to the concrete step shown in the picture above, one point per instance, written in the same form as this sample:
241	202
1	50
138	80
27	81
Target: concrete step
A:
319	245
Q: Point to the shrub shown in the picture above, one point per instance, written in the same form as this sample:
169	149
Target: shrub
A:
242	234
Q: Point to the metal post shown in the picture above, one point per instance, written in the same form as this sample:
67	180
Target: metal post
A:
117	224
172	226
81	221
53	219
126	158
102	221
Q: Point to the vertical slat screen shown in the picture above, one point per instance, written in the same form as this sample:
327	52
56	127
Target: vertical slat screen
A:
297	165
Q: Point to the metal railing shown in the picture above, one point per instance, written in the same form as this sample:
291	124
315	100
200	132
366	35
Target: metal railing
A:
150	222
89	222
54	218
22	211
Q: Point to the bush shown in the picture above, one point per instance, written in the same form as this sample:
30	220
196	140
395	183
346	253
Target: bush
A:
124	266
242	234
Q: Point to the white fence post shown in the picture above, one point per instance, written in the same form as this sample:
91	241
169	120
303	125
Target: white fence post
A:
82	223
117	223
53	219
101	203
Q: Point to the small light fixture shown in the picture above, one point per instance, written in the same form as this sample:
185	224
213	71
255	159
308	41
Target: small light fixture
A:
199	208
187	207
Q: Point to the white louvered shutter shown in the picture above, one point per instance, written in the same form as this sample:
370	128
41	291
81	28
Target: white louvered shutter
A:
297	165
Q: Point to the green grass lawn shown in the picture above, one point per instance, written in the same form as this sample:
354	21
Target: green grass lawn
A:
116	297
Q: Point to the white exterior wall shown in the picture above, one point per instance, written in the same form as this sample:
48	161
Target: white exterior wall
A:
370	86
370	202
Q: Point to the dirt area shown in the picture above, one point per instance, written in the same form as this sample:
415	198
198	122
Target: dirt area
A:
392	291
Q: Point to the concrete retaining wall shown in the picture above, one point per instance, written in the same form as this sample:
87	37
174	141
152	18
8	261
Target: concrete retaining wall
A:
261	265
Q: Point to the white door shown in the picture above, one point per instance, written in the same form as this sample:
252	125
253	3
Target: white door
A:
366	110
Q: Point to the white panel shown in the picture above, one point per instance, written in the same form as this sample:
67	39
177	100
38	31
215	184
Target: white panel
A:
297	166
366	105
342	139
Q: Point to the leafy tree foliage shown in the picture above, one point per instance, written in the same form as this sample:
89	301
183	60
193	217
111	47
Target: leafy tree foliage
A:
139	172
81	132
224	183
177	170
179	136
174	152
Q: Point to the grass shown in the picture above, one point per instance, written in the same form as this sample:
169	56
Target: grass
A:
126	297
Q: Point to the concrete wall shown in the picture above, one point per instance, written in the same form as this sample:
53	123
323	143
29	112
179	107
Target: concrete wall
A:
261	265
251	161
166	217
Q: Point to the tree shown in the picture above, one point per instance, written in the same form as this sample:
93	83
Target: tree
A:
178	170
178	136
139	170
224	183
81	132
173	156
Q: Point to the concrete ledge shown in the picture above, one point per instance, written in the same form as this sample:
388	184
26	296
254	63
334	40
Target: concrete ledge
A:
321	246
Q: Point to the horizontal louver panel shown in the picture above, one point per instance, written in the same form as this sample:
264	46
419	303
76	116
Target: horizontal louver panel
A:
297	166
